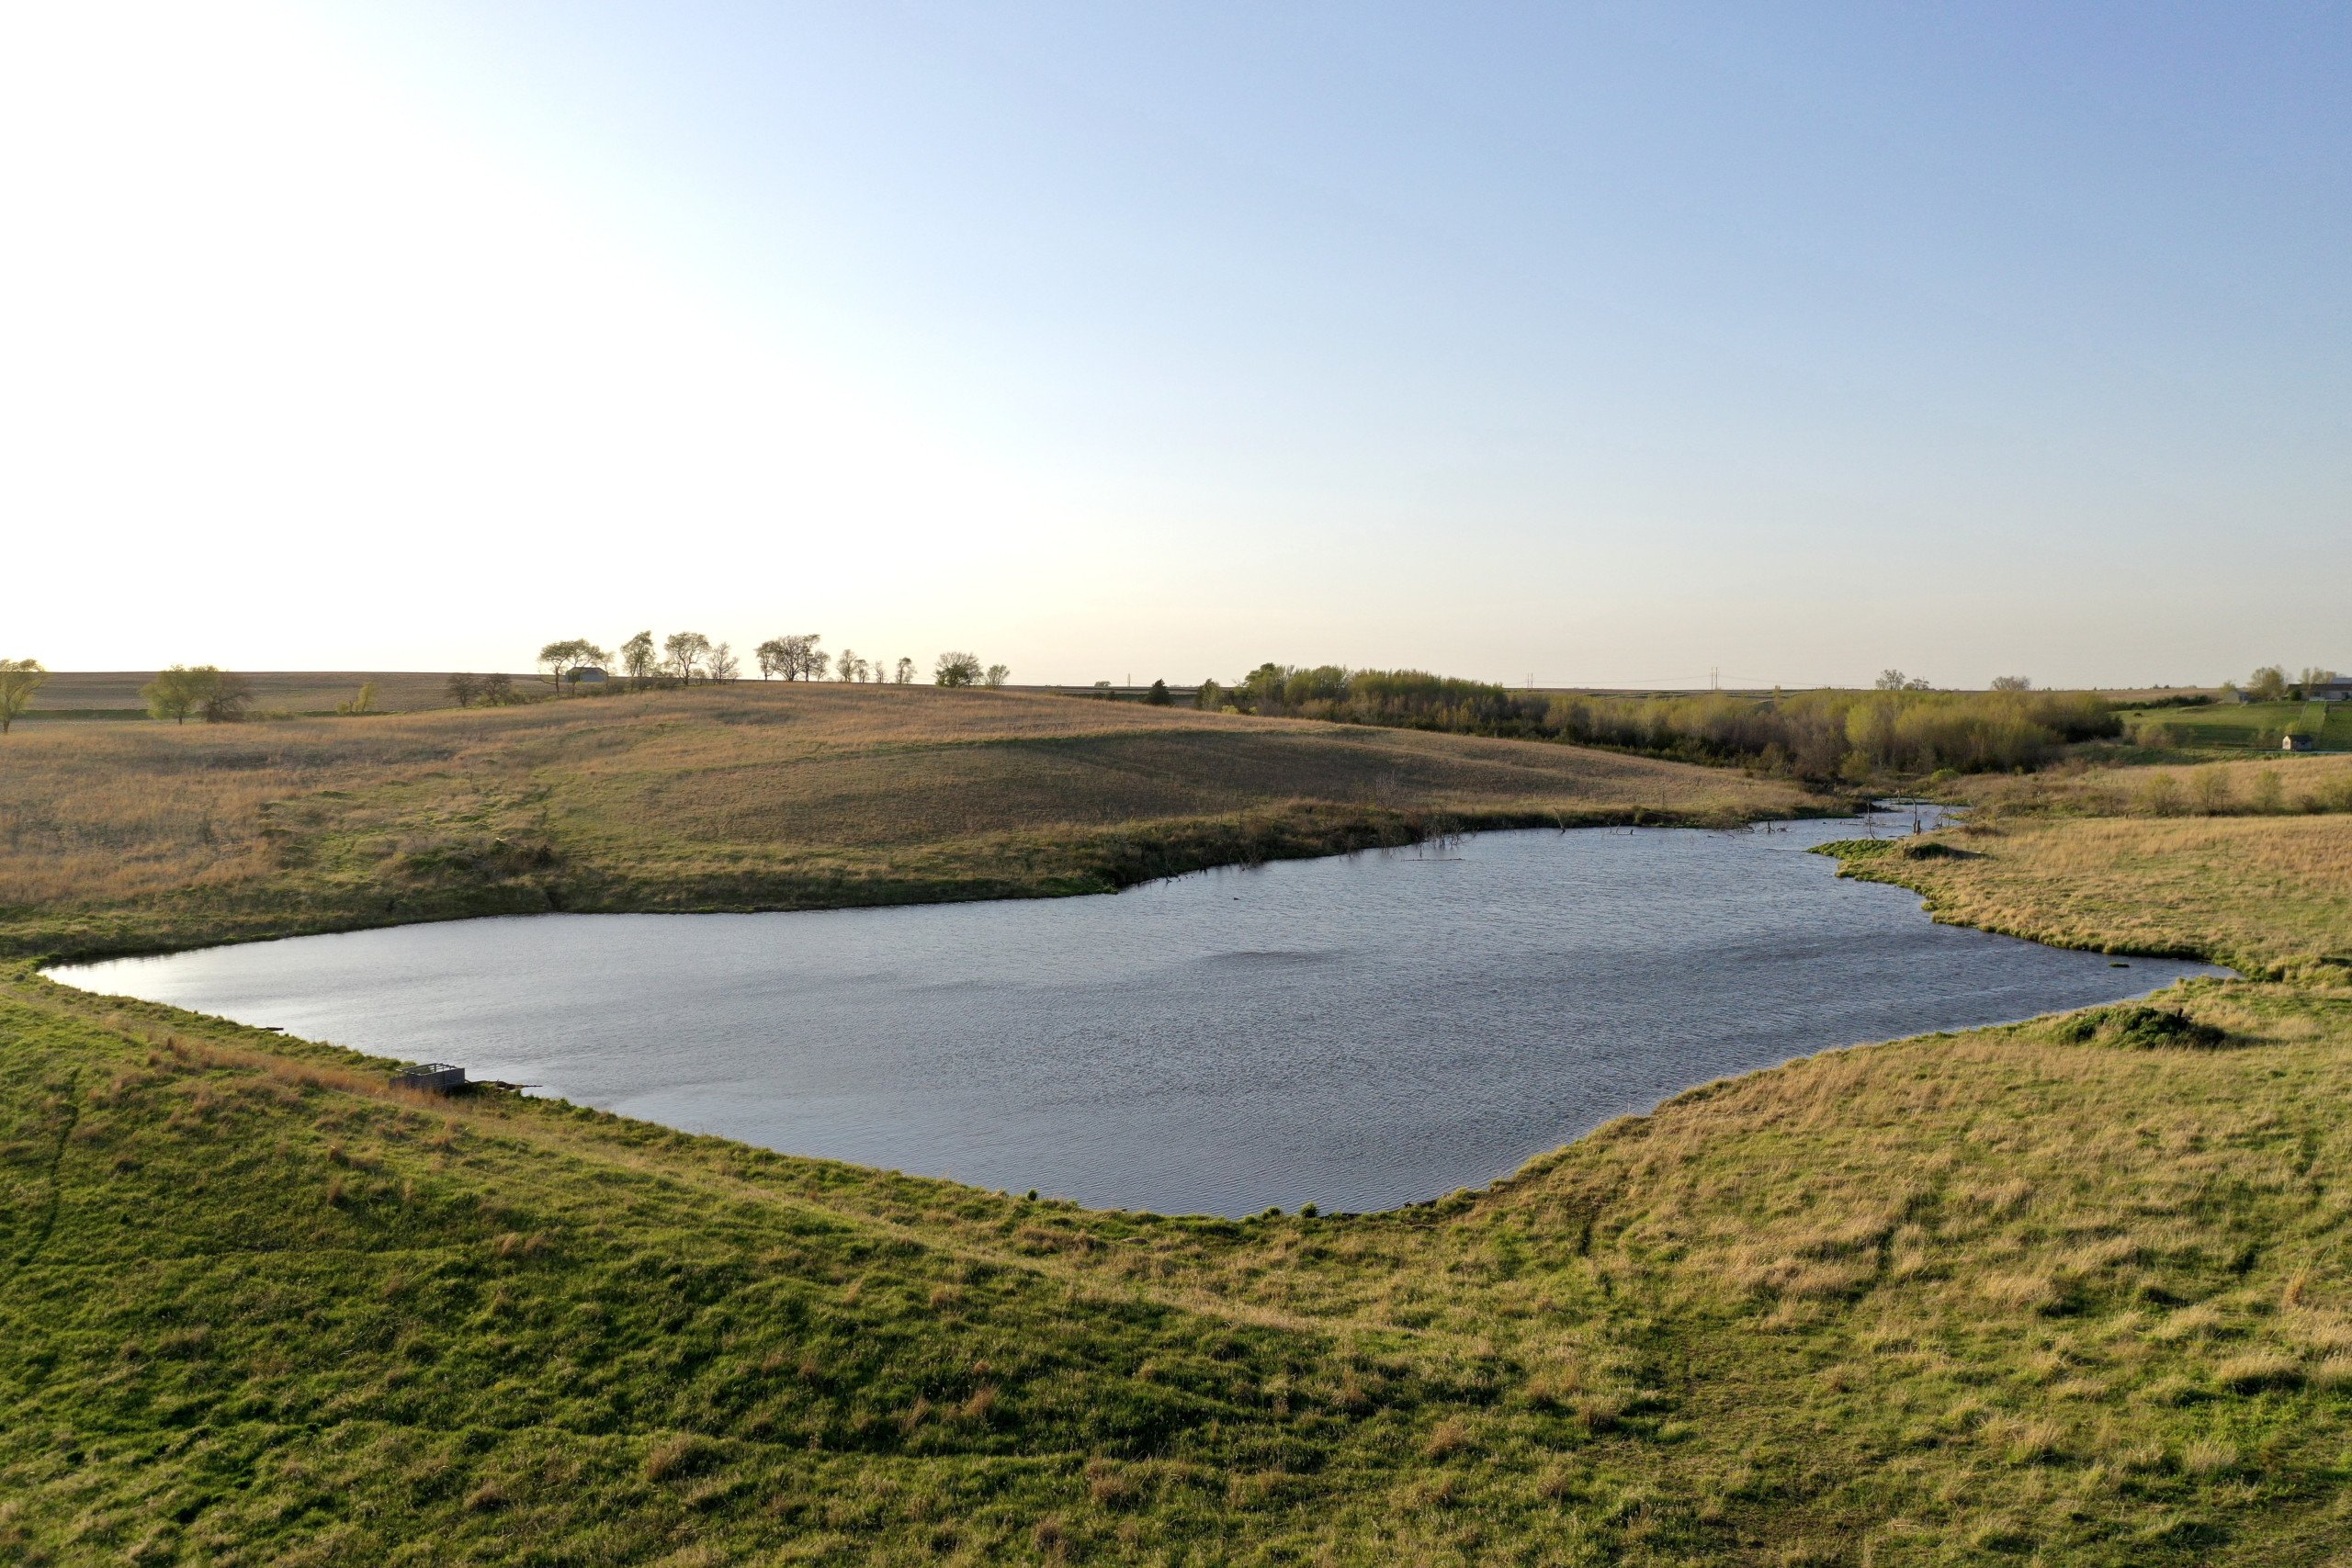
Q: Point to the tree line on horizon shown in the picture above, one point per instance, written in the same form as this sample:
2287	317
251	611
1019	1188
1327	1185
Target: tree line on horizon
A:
1901	725
691	658
2271	683
1825	736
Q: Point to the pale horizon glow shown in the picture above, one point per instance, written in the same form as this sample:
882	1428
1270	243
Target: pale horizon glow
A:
1792	342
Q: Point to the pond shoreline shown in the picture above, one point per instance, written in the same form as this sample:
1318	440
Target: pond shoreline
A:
1343	1051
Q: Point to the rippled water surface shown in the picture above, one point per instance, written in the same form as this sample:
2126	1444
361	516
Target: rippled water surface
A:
1356	1033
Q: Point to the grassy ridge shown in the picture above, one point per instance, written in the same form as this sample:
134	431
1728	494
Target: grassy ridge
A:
93	692
137	837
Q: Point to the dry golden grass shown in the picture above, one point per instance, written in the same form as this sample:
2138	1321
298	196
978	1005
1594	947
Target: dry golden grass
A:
782	795
2263	894
2266	786
296	690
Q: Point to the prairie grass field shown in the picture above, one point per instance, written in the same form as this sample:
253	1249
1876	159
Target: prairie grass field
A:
93	692
2074	1290
2266	896
126	837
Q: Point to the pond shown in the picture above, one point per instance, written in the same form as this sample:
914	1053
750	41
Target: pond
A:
1357	1033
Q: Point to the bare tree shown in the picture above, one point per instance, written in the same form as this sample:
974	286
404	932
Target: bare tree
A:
226	696
796	657
497	690
722	664
464	689
849	666
995	675
19	679
686	651
905	675
2012	683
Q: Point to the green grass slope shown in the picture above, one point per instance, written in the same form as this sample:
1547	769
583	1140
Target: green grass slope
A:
2226	727
2044	1294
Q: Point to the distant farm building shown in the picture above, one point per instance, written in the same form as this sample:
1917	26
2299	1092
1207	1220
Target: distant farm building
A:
2334	689
587	675
434	1077
2298	743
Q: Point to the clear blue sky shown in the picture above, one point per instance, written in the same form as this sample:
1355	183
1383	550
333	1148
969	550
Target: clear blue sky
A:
1602	345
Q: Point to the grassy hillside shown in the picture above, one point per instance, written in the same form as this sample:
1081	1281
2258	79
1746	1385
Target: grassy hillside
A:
2078	1290
2075	1295
2267	895
129	837
2228	727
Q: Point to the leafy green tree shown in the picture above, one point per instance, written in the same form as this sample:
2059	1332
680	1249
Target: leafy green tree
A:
559	659
686	650
176	693
1158	696
996	676
2267	685
19	679
637	659
2012	683
956	670
1264	689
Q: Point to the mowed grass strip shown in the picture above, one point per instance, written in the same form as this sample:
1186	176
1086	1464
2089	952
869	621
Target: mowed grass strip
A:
132	836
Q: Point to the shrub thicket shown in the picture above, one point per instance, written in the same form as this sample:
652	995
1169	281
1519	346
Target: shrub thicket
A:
1816	734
